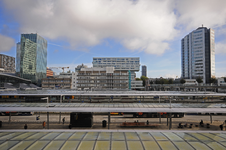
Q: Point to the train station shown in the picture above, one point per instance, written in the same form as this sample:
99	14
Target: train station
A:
93	119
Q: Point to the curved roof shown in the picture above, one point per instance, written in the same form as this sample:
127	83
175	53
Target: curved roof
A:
15	77
95	140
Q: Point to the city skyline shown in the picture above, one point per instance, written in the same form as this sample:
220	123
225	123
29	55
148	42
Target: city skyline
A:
134	29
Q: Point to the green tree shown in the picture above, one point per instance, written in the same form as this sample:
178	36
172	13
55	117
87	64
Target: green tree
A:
199	80
151	82
213	80
182	81
170	81
138	79
143	78
224	79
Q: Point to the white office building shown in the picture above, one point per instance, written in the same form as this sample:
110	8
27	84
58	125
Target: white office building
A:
198	55
119	63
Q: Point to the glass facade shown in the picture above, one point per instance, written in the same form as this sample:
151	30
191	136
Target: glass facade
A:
112	140
18	51
198	55
33	57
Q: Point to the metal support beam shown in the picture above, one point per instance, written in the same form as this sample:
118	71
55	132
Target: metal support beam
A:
210	118
159	118
170	123
159	99
47	120
9	117
109	119
59	117
167	119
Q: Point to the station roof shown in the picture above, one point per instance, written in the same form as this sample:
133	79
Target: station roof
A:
107	93
114	107
111	140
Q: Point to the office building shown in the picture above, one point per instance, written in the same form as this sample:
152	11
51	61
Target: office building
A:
49	72
119	63
7	63
18	51
33	58
144	71
79	67
102	78
56	83
198	55
74	80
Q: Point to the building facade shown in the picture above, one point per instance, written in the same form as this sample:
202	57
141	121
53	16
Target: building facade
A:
102	78
198	55
49	72
33	58
74	80
18	52
119	63
7	63
56	83
144	71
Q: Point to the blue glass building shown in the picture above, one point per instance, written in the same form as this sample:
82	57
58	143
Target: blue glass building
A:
33	58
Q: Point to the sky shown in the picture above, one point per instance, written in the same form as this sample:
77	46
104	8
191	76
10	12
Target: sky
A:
78	30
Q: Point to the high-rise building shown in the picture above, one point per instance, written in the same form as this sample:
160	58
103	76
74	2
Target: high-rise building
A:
33	57
144	70
198	55
119	63
18	51
7	63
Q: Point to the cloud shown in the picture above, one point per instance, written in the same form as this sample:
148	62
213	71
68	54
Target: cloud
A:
140	25
220	48
194	13
6	43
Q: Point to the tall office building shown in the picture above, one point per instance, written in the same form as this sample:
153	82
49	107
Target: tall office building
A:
198	55
33	57
18	51
144	70
119	63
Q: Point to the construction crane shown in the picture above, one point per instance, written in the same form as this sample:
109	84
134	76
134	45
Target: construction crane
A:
59	68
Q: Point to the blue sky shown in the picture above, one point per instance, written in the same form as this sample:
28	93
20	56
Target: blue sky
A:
77	31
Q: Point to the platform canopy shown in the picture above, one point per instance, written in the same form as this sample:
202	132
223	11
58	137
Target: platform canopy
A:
59	140
106	93
114	107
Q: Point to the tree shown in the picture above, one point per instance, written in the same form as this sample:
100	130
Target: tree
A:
224	79
138	79
182	81
151	82
199	80
170	81
143	78
213	80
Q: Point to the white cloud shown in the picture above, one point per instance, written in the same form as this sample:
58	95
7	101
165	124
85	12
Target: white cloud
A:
194	13
6	43
141	25
220	48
